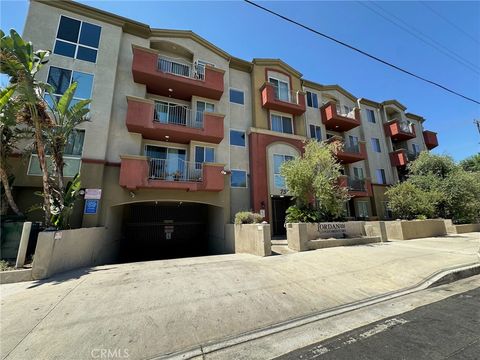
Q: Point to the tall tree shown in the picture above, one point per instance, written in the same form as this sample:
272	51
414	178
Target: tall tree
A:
21	63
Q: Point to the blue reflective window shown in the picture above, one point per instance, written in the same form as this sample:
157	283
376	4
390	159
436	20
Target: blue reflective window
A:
86	54
64	48
236	96
237	138
68	29
238	178
59	79
90	35
84	84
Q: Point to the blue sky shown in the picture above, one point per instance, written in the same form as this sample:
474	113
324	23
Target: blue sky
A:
247	32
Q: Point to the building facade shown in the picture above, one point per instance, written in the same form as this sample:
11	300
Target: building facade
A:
183	135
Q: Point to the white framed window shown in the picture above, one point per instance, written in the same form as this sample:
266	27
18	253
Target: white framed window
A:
315	132
380	174
60	79
238	179
204	154
416	149
203	106
358	173
362	207
283	124
237	96
282	89
371	116
375	145
77	39
278	160
72	156
312	99
237	138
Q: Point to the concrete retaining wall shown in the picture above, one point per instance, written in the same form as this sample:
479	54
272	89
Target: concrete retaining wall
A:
327	243
253	239
461	229
406	230
14	276
65	250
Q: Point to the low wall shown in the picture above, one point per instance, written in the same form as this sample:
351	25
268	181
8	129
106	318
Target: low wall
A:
65	250
406	230
461	229
14	276
253	239
352	229
327	243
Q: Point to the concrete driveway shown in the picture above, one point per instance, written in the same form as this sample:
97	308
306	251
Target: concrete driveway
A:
143	310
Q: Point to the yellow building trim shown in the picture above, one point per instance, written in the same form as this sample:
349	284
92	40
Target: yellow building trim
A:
277	62
415	117
395	103
276	133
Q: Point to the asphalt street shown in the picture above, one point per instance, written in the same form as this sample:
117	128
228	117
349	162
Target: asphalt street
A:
447	329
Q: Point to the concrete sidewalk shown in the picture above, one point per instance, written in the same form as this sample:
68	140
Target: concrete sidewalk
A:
153	308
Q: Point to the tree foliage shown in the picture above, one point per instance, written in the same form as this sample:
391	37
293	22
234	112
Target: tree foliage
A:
407	201
313	181
471	163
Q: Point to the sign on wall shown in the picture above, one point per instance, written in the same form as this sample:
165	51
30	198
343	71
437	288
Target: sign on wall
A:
91	206
332	229
93	194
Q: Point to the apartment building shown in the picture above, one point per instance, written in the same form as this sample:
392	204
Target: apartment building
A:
183	135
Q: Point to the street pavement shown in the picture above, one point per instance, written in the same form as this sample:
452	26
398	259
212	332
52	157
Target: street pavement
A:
148	309
447	329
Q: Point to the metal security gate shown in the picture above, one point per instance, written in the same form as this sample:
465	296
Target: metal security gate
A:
153	231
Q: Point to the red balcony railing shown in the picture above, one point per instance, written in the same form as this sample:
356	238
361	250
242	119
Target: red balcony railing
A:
400	130
399	157
430	138
141	172
291	103
336	121
178	80
176	125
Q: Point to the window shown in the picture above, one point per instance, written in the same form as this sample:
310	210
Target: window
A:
416	149
236	96
278	160
238	179
281	124
316	132
61	79
72	156
353	144
282	91
202	107
358	173
237	138
312	99
204	154
376	145
362	207
77	39
371	116
380	173
347	109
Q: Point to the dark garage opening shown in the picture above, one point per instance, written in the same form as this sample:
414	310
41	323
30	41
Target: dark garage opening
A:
160	230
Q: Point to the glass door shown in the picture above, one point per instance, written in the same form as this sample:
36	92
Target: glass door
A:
281	89
166	163
202	107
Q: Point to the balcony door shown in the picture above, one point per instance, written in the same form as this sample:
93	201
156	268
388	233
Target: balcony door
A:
166	163
171	113
202	107
281	89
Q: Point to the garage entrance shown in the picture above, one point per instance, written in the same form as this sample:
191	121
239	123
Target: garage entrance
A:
164	230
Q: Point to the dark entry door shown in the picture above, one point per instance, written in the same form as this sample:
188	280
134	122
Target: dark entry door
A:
279	206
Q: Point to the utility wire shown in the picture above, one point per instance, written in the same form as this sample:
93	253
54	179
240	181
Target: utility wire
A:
361	51
449	22
414	31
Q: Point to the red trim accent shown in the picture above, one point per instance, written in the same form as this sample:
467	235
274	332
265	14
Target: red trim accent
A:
93	161
258	167
117	164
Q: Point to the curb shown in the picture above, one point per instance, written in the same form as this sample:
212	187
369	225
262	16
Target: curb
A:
438	278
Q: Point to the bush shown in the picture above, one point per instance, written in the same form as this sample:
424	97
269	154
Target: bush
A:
461	197
408	202
247	217
295	214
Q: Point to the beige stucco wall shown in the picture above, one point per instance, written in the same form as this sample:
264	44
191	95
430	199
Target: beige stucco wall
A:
277	148
406	230
253	239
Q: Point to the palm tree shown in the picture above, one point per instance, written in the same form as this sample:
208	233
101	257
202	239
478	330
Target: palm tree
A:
65	118
21	63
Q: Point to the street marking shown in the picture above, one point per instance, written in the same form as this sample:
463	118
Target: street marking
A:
382	327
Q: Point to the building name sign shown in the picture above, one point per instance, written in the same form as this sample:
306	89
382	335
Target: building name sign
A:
332	229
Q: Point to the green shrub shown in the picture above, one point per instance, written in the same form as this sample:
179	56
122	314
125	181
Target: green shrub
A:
295	214
408	202
4	265
247	217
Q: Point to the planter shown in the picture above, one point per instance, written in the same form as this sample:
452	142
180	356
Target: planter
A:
462	228
414	229
253	239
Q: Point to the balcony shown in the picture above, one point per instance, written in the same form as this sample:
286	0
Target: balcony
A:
181	80
290	103
350	153
399	130
336	120
356	187
157	121
430	138
141	172
399	158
